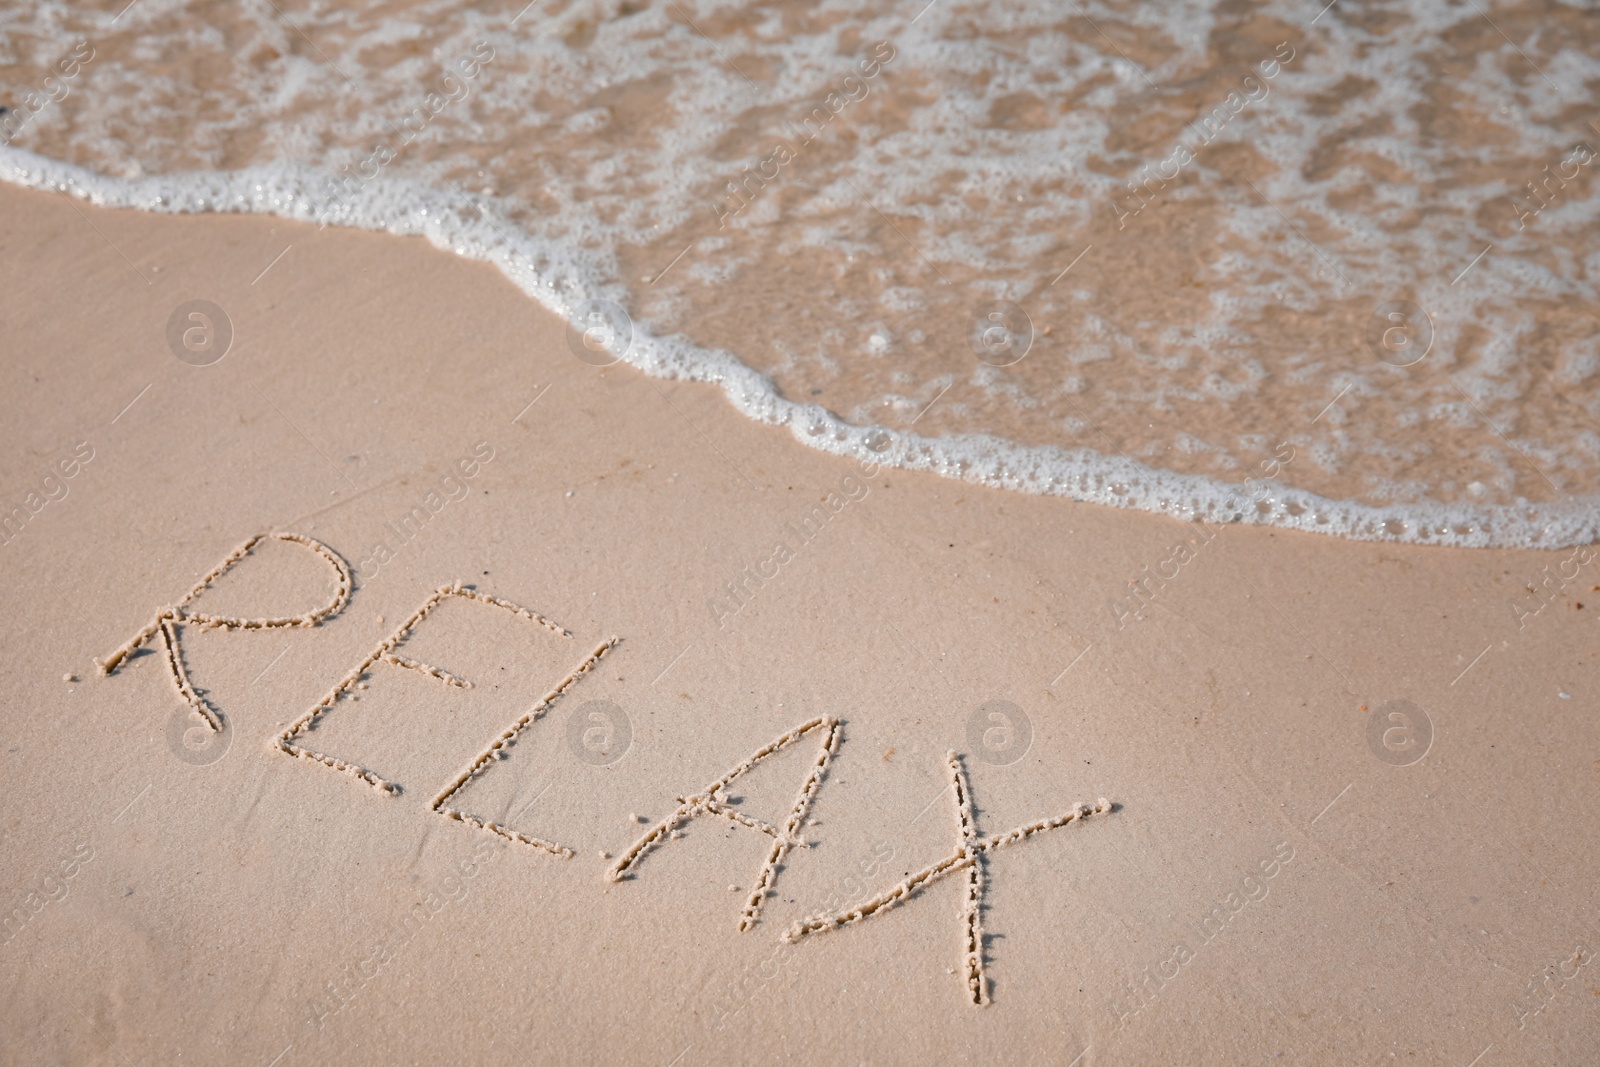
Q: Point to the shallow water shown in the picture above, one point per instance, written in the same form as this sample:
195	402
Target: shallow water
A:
1330	268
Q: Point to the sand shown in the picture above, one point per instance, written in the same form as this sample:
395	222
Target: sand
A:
1293	798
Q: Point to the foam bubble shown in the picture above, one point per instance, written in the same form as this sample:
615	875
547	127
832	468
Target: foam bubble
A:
1212	326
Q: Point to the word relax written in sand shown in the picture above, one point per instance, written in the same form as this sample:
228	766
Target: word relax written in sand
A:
968	856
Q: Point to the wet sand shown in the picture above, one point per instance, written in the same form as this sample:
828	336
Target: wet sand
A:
1288	872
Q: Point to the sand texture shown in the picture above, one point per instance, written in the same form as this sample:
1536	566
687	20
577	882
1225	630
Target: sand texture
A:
587	721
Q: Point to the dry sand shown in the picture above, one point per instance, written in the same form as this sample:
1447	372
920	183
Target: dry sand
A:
1271	886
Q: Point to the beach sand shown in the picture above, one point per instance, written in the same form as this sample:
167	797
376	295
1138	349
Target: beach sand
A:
1288	873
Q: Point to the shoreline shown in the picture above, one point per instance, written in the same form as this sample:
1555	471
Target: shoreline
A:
568	288
242	906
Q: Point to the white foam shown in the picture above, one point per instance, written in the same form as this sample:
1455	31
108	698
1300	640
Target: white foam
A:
583	185
452	221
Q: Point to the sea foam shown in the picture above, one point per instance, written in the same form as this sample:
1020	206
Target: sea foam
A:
455	222
945	157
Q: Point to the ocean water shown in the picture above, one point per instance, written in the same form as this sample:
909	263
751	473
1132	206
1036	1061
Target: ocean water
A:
1330	267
